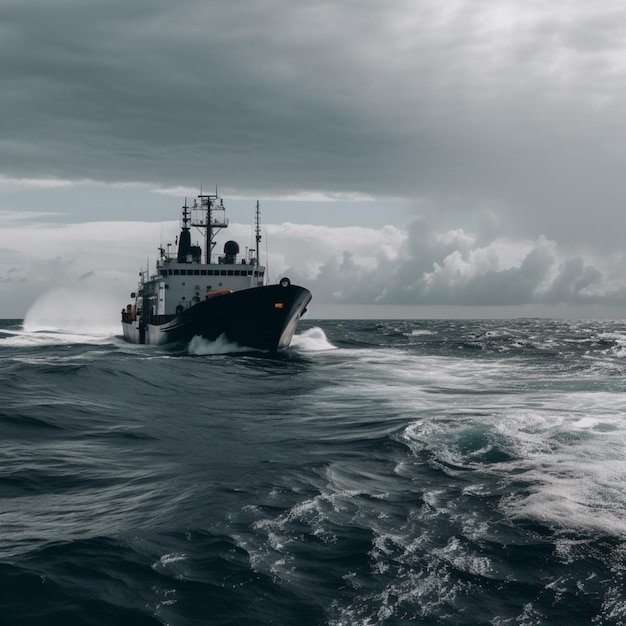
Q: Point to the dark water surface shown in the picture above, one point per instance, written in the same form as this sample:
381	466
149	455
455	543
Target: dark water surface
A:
442	472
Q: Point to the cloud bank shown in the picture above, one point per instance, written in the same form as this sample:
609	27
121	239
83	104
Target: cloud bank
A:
419	265
423	265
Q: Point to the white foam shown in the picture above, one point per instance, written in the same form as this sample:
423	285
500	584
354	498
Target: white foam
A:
166	559
457	555
312	340
34	339
199	346
565	465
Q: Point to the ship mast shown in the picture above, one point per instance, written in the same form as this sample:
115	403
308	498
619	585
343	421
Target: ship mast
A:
206	220
257	231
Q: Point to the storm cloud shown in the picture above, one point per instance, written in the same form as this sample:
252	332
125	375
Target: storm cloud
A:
501	119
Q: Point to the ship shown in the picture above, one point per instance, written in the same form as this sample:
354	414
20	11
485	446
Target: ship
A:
197	293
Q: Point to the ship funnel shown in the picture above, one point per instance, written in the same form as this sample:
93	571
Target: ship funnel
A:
231	250
184	245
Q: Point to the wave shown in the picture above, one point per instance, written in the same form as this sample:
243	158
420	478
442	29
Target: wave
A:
378	480
199	346
562	466
312	340
43	338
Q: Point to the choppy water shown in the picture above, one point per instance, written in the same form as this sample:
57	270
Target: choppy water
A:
444	472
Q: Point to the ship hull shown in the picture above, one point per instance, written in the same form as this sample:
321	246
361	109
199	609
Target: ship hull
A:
260	318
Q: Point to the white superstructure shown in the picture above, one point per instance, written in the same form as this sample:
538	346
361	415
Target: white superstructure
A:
189	275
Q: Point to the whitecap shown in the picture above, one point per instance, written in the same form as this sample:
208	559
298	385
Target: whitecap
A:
312	340
199	346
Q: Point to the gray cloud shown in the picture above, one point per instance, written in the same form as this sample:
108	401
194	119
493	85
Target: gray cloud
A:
435	267
422	264
166	92
505	118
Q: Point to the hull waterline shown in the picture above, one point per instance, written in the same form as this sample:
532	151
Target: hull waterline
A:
261	318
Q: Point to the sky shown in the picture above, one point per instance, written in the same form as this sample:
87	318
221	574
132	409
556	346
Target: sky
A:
427	158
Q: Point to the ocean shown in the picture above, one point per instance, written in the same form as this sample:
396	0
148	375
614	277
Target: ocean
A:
376	472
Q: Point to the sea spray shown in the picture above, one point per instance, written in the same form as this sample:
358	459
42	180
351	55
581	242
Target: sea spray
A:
199	346
83	307
312	340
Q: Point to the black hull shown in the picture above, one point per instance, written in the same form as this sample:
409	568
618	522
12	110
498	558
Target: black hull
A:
261	318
